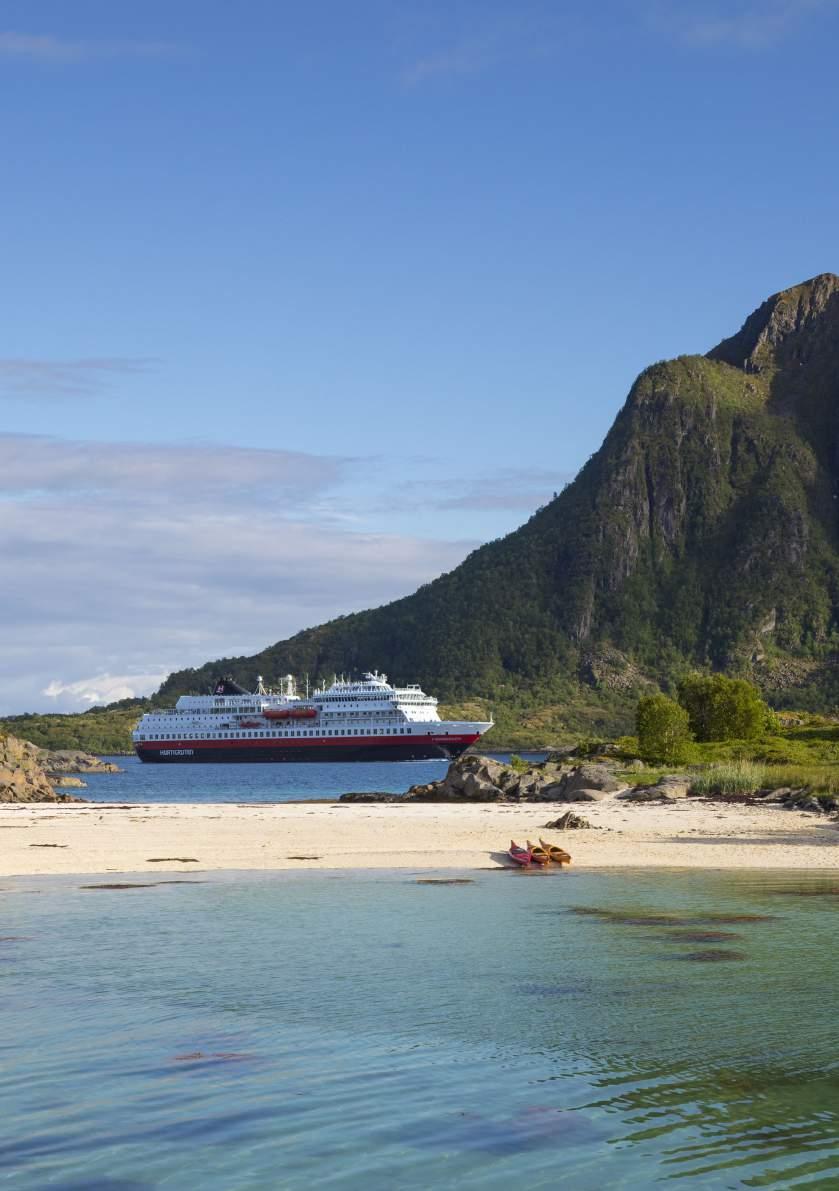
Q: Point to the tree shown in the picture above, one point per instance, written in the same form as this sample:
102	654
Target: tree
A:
663	730
721	708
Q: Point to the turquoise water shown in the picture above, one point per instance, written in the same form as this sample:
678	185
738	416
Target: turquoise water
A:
263	783
367	1031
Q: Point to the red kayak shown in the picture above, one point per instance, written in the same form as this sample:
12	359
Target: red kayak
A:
519	855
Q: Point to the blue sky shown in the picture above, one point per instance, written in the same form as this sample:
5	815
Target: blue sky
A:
302	302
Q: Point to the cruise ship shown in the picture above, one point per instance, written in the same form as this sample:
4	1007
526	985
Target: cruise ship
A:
368	720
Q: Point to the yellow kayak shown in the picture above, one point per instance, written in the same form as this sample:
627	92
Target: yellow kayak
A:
538	855
557	854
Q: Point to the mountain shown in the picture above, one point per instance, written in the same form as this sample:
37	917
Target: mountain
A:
704	532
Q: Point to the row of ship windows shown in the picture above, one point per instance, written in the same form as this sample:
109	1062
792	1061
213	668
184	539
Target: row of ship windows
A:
366	714
248	735
342	715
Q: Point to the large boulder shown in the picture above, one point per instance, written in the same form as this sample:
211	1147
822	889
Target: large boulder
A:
469	779
667	789
586	783
480	788
581	794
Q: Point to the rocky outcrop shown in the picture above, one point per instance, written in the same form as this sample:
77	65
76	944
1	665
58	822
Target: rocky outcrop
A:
57	761
469	779
481	779
22	777
800	799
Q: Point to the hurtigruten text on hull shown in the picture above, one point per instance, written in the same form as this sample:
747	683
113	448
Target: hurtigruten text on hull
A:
368	720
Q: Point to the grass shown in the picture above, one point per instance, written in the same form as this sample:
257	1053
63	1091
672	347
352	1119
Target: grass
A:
731	777
744	777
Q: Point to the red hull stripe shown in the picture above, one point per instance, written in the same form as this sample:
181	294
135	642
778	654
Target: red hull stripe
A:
274	742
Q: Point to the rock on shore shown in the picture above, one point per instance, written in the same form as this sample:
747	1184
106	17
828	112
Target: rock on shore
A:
563	777
481	779
22	775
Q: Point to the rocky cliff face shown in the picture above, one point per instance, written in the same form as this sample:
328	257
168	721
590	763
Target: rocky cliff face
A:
22	777
704	531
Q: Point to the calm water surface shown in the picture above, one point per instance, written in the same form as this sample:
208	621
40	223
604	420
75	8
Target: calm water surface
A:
367	1031
259	783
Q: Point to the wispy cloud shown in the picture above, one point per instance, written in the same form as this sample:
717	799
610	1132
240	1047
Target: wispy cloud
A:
128	474
519	489
511	489
477	38
46	47
85	377
740	24
468	57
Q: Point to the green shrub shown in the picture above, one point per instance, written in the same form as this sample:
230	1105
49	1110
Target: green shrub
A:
627	747
721	708
663	730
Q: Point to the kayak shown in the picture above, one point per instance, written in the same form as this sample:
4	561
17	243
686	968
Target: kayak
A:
519	855
538	855
557	854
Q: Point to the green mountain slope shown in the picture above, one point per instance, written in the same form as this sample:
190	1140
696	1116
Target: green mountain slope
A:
703	532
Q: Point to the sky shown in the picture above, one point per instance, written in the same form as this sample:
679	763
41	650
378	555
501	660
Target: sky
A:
303	302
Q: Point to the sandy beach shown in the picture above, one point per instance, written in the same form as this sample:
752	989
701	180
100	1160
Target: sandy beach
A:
112	838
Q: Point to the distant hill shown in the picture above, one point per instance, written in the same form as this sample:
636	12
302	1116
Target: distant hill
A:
704	532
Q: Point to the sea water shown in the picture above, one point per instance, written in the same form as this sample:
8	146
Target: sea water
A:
585	1029
281	782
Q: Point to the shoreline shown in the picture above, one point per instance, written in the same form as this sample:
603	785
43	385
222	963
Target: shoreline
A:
148	838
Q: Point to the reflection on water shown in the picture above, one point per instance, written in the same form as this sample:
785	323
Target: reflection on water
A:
346	1031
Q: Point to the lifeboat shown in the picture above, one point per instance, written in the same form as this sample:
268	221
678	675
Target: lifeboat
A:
290	713
250	724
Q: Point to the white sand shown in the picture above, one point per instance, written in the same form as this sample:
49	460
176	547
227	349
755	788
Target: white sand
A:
98	838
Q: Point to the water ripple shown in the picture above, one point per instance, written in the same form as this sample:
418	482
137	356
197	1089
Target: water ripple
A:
269	1026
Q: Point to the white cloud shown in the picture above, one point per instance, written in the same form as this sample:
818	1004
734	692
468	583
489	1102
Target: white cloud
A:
105	688
135	560
46	47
